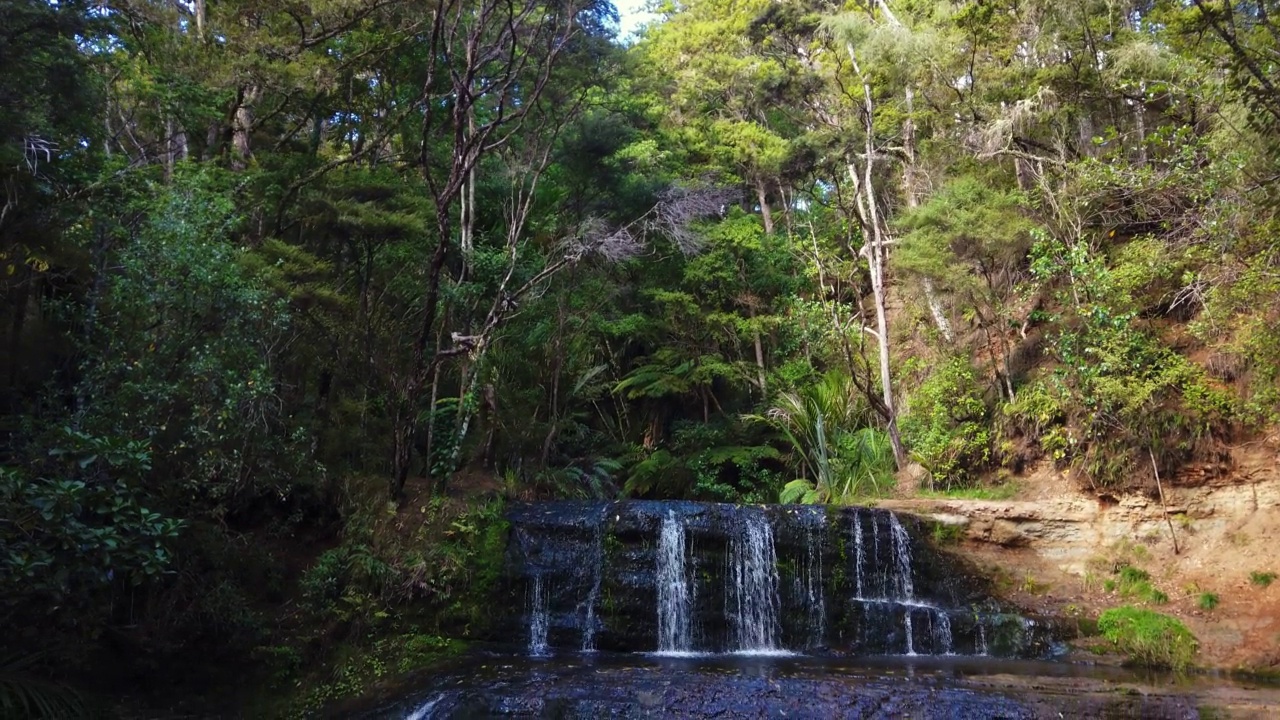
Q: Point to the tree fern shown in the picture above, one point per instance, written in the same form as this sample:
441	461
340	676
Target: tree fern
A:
24	694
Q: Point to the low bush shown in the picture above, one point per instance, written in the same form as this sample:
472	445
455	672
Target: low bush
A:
1149	638
947	426
1262	579
1133	582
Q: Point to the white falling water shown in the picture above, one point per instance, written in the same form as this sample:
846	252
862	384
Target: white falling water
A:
877	565
859	557
942	633
905	589
982	638
539	619
593	597
425	710
813	587
752	598
674	596
906	624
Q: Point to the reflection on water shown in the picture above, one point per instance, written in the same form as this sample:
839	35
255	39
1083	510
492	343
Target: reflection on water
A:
591	685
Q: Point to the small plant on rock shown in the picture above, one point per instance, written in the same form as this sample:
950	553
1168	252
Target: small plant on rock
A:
1208	601
1262	579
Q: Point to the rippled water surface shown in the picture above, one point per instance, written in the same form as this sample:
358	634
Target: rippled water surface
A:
581	686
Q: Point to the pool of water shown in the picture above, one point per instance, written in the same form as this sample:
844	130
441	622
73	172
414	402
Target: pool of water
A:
602	685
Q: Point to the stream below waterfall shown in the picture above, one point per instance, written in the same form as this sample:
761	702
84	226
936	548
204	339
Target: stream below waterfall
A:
638	609
586	686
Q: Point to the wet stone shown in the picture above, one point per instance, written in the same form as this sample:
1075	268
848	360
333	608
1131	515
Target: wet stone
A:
773	578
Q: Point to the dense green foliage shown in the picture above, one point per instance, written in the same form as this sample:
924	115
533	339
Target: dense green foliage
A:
1148	637
281	281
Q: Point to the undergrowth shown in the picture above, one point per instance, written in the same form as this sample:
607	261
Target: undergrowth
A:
1003	491
1148	637
1132	582
405	587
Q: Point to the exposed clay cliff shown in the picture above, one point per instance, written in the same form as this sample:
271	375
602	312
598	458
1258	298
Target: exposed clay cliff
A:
1055	547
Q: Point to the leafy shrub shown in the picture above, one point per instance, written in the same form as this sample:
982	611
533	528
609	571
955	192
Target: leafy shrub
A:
1148	637
1262	579
1115	390
75	525
716	461
1208	601
946	426
1132	582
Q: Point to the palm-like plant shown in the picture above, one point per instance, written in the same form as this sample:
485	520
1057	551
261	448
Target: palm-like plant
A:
26	694
837	454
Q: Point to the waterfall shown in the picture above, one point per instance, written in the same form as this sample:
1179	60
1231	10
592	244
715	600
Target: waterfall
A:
875	556
593	597
942	634
674	596
425	711
684	577
906	624
752	597
859	556
901	569
539	619
813	585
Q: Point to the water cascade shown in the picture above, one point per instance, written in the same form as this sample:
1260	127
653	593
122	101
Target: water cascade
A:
903	587
812	588
683	577
752	601
942	633
673	589
859	557
539	618
593	597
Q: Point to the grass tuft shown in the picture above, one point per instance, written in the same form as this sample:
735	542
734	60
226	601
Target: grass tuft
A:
1148	637
1004	491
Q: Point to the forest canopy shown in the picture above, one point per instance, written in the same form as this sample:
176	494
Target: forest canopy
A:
267	265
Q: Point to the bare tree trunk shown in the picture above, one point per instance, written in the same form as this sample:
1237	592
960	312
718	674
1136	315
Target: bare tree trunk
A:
759	347
1139	121
200	12
467	201
765	213
242	127
875	250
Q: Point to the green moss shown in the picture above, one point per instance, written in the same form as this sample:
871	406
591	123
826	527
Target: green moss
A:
1149	638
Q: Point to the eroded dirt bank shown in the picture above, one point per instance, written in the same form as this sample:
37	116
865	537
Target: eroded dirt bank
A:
1054	547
